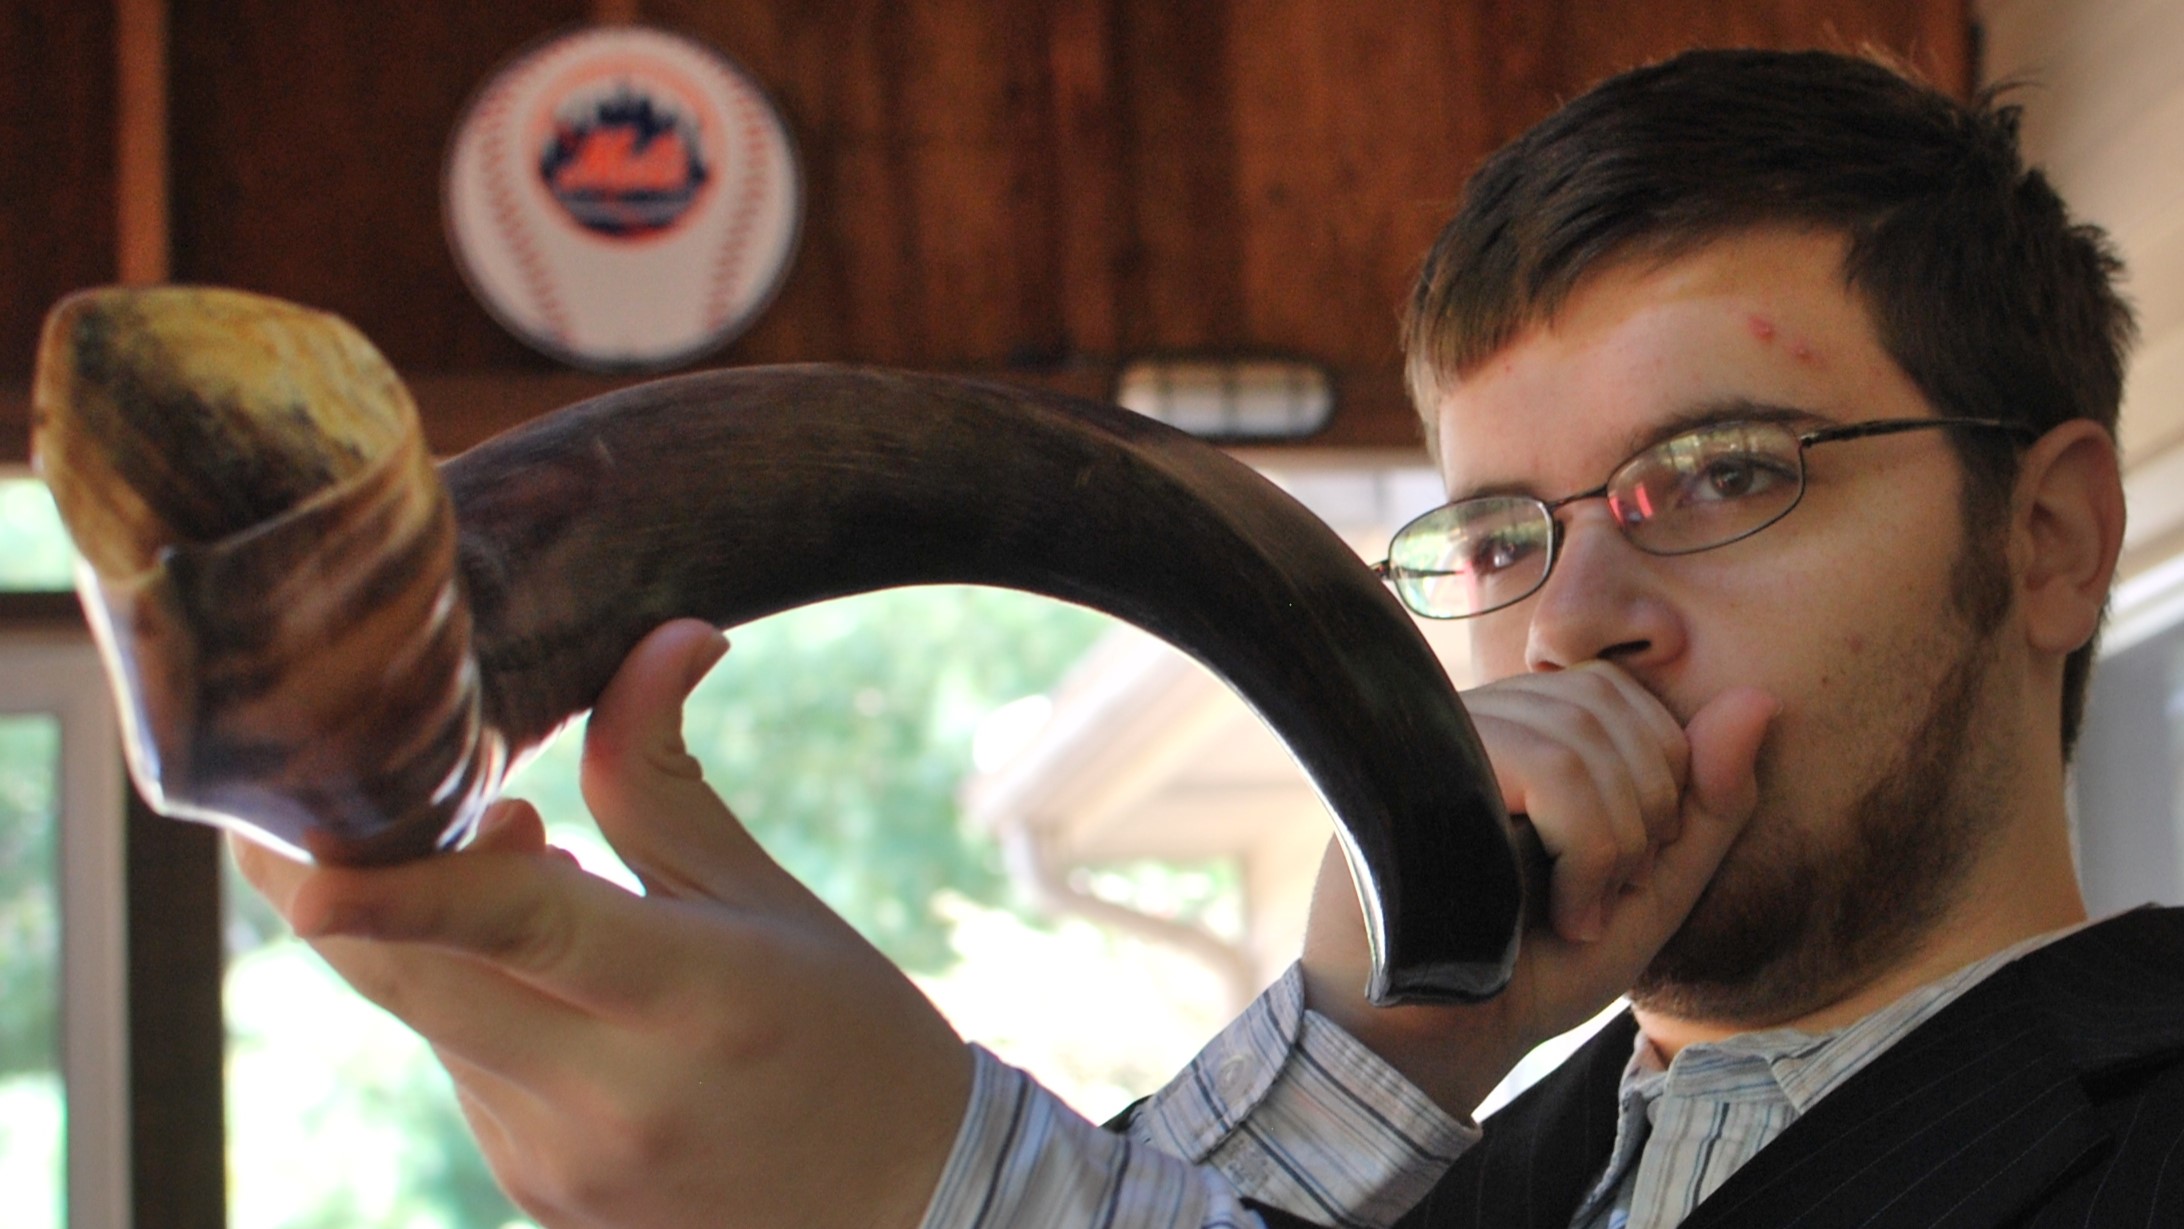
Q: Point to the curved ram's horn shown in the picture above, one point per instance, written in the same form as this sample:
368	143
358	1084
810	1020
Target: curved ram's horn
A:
315	641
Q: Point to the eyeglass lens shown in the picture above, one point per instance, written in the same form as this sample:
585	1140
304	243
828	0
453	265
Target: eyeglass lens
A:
1470	557
1702	489
1707	487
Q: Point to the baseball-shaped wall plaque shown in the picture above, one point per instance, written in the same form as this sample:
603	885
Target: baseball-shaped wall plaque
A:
623	198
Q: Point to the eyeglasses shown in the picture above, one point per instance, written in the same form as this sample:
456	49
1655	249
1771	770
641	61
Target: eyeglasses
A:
1707	487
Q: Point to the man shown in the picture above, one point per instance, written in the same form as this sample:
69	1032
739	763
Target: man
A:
1776	404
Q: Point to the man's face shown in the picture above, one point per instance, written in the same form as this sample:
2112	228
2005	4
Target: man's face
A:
1872	779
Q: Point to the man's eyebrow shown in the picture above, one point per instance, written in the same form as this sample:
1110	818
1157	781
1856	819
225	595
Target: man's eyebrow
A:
1690	418
1729	409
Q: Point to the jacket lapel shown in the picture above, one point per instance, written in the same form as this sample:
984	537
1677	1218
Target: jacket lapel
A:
2113	994
1961	1124
1541	1151
1976	1114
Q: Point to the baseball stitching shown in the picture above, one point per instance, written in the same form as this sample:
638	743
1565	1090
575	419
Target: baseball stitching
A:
508	215
728	269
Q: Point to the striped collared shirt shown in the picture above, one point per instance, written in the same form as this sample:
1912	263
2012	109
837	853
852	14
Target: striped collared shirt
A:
1285	1107
1686	1126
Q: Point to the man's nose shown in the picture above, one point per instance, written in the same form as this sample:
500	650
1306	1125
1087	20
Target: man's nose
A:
1602	601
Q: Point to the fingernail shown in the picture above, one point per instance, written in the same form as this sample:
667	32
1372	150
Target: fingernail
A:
703	663
495	816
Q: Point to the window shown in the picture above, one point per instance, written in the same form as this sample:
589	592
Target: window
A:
839	733
2126	795
34	552
33	1167
64	1142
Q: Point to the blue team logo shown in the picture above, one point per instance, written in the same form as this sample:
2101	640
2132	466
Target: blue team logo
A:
625	164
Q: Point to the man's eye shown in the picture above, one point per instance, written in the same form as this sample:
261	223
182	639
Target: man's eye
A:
1736	476
1499	553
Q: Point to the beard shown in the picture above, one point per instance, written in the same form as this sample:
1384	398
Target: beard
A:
1793	921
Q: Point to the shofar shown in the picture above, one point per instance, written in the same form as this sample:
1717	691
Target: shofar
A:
317	639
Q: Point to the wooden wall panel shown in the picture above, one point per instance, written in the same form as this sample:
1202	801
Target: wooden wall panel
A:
56	165
1354	134
1031	188
307	142
1934	38
1091	191
931	238
1178	288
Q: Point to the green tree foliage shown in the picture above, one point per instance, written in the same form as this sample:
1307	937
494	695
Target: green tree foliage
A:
30	748
338	1117
840	734
34	550
34	554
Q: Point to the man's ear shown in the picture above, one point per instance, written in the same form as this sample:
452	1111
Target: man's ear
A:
2066	531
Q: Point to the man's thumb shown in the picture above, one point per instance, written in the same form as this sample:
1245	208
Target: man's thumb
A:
637	724
642	785
1725	738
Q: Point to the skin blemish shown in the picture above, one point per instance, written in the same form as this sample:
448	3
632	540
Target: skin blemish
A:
1803	352
1761	327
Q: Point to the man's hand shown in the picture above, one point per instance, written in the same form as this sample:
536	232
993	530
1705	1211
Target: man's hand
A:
723	1050
1634	810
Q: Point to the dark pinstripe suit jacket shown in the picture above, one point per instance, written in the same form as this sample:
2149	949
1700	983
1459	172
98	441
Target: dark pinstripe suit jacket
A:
2052	1094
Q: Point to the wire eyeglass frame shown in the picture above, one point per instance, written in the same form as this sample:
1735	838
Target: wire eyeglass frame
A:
1451	524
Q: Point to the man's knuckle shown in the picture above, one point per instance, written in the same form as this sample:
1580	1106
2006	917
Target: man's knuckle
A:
1660	802
1561	761
1586	723
1591	855
541	938
672	760
1597	685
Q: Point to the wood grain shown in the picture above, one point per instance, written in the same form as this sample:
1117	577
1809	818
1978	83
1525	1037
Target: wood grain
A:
144	253
56	167
307	145
177	1030
1039	190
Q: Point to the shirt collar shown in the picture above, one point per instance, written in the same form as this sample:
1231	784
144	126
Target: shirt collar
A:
1790	1064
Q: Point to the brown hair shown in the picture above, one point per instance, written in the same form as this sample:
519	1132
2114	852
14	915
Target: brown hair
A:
1982	289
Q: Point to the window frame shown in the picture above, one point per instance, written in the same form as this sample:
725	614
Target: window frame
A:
143	1046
